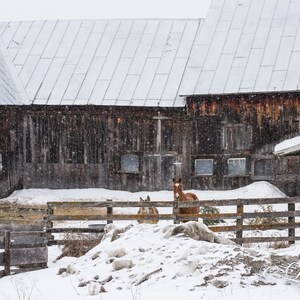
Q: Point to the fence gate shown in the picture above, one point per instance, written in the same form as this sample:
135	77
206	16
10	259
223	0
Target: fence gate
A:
22	248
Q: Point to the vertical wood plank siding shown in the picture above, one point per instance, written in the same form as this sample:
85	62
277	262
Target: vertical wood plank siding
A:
251	125
82	146
10	150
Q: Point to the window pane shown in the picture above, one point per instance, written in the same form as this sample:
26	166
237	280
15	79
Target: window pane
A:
263	167
130	163
204	167
236	166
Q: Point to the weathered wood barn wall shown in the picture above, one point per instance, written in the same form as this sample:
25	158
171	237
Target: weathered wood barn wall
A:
10	150
101	100
77	147
247	126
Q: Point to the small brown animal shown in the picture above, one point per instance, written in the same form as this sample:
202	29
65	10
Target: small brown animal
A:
181	196
147	211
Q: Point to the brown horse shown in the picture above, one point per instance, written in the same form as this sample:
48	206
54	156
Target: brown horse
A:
181	196
147	211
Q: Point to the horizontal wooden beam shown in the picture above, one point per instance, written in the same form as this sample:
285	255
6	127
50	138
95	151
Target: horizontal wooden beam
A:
76	230
276	226
246	240
182	204
65	241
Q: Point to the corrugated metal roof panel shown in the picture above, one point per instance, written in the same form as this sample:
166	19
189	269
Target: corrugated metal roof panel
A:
264	38
11	91
101	62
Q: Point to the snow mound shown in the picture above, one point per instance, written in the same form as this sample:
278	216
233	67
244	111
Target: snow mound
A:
197	231
261	189
165	257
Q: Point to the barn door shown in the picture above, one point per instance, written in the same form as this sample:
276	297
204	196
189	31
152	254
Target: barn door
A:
160	169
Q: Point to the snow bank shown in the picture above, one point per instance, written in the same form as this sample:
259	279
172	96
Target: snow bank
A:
154	256
260	189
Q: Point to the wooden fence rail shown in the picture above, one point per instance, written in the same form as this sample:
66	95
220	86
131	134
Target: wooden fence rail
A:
287	216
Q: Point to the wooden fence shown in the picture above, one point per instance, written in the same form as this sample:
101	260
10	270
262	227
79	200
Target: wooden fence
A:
21	213
286	217
22	248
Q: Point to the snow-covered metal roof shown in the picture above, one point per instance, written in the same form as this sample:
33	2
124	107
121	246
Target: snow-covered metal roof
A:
101	62
243	46
8	91
287	146
246	46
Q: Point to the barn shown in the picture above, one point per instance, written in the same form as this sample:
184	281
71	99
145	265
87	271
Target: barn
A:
129	104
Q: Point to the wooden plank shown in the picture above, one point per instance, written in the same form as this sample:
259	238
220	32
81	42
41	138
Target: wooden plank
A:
274	214
227	202
76	230
7	255
239	222
291	219
21	227
1	258
63	242
99	204
112	217
277	226
5	209
264	239
28	240
24	256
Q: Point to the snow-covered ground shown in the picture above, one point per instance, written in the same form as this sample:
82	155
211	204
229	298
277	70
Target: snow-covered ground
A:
155	261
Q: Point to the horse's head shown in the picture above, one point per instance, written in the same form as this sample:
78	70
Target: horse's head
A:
177	188
146	200
144	210
147	211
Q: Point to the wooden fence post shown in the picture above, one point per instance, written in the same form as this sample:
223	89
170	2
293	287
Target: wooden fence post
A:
109	211
239	221
176	211
291	220
7	252
49	223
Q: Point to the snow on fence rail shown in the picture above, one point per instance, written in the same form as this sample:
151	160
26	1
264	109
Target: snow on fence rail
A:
22	248
239	216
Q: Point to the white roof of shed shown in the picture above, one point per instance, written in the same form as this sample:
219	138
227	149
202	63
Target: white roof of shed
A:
288	146
101	62
246	46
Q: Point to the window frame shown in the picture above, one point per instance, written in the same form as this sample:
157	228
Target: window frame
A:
271	176
133	154
246	173
204	159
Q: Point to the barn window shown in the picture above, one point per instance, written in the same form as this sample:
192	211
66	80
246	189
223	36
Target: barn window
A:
263	168
204	167
130	163
236	166
236	137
